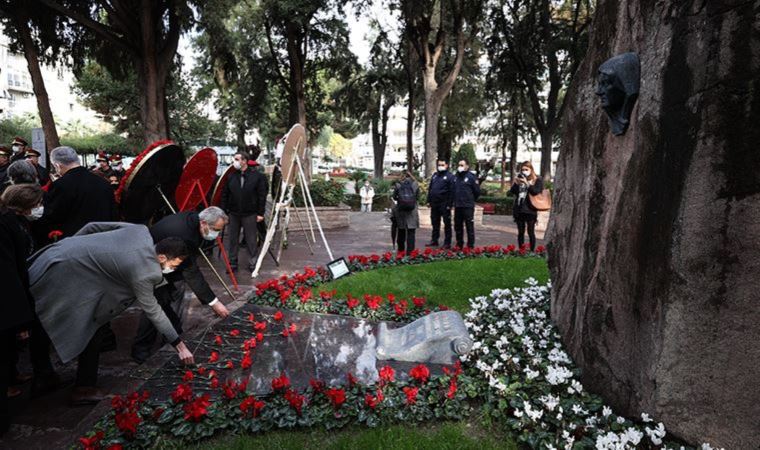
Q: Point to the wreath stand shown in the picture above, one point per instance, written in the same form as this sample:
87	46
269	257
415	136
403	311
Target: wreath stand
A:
293	152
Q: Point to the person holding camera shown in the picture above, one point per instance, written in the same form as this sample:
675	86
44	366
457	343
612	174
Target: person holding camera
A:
525	215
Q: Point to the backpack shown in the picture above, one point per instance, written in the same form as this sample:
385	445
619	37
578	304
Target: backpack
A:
405	195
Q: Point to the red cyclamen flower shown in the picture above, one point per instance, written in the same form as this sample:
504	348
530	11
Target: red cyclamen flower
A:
182	393
420	373
387	374
197	409
337	396
251	407
281	382
127	423
411	394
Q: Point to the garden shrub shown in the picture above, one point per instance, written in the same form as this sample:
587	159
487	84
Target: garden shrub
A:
324	193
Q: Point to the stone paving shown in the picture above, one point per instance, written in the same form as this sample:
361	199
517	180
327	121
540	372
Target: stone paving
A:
49	422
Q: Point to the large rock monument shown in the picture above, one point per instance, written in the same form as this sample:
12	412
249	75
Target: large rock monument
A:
655	235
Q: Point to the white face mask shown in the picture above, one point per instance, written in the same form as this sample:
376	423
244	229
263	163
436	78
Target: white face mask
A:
166	270
237	165
36	213
461	169
211	235
526	173
16	148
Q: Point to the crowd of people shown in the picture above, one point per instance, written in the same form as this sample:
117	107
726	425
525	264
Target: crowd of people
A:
67	273
457	192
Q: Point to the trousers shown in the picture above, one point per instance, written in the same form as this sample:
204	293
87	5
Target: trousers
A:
464	218
526	221
250	232
405	239
438	212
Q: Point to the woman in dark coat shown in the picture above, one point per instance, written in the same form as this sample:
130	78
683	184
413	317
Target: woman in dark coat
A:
17	204
406	213
526	182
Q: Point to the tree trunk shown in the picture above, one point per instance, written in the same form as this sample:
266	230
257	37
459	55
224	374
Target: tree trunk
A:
240	137
503	165
513	140
546	154
654	234
153	71
38	84
296	60
411	74
433	104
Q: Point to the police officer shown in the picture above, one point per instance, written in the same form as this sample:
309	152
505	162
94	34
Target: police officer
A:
117	167
466	191
441	199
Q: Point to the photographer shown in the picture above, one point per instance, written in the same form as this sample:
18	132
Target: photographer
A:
526	182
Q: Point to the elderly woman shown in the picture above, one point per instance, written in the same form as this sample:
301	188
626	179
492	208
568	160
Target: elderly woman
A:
17	308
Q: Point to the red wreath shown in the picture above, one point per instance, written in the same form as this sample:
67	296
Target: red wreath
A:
134	164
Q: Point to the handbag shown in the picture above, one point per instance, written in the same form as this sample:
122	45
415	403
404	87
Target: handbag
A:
542	201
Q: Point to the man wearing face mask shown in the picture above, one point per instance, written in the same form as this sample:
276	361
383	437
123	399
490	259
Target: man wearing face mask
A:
117	168
116	277
441	199
244	198
18	146
194	229
78	197
33	157
466	191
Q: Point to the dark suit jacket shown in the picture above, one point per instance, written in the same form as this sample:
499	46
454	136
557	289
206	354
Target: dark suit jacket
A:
16	307
76	199
186	226
251	198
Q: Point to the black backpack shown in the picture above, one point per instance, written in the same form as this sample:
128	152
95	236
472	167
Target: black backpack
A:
407	200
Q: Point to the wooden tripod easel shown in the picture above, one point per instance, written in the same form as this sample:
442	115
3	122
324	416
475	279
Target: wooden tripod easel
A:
283	205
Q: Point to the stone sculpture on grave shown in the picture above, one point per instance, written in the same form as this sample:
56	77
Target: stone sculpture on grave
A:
440	337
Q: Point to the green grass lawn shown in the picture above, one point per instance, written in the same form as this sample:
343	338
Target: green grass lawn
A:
450	283
443	436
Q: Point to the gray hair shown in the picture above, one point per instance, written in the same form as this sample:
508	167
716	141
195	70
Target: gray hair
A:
65	156
21	172
212	214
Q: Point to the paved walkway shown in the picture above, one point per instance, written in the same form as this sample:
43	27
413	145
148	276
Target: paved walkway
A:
49	422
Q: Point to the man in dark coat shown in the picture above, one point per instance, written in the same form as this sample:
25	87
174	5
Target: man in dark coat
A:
244	199
466	191
78	197
5	161
33	156
441	200
115	277
18	146
195	229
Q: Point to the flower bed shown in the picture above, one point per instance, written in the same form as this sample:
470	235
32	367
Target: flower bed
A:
517	374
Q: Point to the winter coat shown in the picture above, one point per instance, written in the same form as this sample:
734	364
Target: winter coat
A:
186	226
80	283
523	206
248	199
407	220
76	199
441	189
16	307
367	194
466	190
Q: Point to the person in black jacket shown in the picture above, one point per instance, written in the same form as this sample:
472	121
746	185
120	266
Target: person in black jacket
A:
17	308
441	200
466	191
78	197
526	182
5	161
195	229
33	157
244	199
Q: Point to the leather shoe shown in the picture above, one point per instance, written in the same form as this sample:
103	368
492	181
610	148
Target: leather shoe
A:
86	395
431	244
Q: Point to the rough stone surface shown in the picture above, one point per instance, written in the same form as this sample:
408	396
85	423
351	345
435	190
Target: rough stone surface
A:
439	337
655	237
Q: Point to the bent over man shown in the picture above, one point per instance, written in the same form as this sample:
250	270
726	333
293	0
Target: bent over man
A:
80	283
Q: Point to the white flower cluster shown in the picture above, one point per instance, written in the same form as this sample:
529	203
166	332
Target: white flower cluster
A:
518	352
